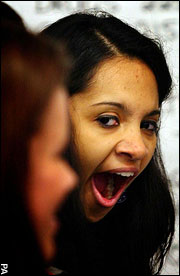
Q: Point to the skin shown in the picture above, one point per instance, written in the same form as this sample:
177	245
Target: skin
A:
129	142
50	178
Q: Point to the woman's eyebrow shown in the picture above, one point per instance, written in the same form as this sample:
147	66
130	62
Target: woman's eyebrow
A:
125	109
119	105
154	112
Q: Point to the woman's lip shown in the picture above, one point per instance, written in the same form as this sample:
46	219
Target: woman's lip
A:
104	201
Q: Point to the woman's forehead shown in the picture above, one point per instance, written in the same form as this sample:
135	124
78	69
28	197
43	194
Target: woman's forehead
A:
118	78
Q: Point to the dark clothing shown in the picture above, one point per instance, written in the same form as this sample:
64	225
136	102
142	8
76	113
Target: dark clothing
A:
99	248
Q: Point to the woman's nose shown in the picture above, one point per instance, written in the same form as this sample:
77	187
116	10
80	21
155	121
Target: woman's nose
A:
132	147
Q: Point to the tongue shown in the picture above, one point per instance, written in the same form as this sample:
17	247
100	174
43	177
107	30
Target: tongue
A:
103	179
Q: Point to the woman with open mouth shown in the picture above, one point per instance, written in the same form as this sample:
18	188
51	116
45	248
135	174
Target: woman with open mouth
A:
120	220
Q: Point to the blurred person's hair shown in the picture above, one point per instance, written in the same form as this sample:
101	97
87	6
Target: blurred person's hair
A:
8	14
32	68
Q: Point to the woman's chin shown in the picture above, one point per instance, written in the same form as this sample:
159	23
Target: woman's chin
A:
93	210
96	214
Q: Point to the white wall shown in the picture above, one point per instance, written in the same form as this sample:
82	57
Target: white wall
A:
162	18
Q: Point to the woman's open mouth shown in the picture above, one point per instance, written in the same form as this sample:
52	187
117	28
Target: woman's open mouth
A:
108	186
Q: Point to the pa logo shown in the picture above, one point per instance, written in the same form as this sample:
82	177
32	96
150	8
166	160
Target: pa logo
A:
4	268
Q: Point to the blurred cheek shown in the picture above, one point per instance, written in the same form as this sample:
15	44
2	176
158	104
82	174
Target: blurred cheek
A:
48	186
47	190
42	182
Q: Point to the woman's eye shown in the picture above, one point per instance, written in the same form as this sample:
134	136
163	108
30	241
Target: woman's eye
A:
150	125
108	121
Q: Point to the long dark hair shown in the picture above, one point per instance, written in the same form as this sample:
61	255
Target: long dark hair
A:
31	70
142	228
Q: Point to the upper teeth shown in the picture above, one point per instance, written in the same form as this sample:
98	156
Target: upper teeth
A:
127	174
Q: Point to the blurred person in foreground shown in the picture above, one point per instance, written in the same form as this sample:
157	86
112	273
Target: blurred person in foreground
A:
35	178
